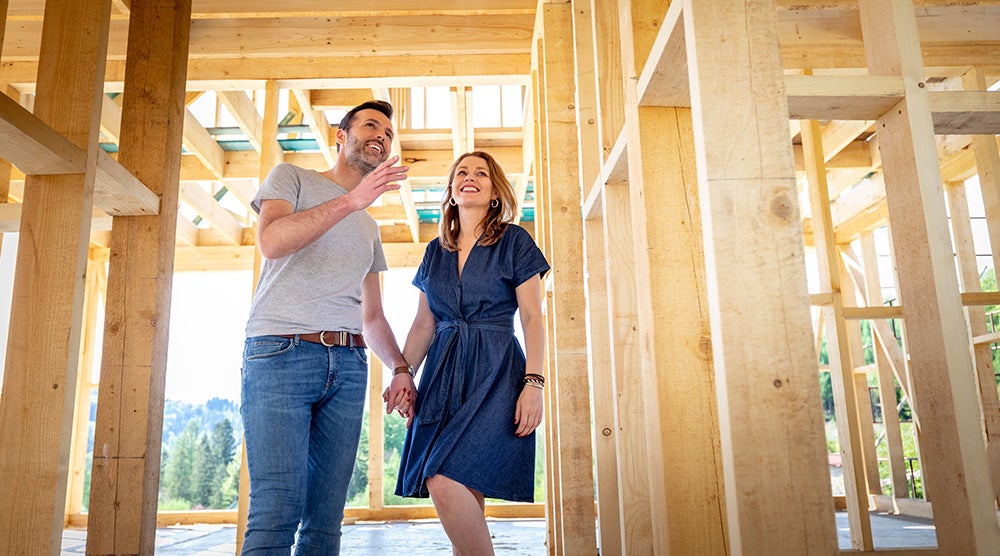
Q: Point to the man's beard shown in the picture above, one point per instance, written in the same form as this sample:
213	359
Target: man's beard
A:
359	159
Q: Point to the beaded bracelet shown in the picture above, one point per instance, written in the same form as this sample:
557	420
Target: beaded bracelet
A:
532	378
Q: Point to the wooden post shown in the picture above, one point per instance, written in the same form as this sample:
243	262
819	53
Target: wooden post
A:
604	394
129	429
39	390
988	166
572	395
951	435
837	340
886	385
773	446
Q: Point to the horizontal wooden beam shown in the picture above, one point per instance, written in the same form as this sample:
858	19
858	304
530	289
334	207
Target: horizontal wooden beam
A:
829	97
321	72
965	112
274	37
119	193
970	299
227	9
34	147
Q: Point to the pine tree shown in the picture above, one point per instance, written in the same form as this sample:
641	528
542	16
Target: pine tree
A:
177	476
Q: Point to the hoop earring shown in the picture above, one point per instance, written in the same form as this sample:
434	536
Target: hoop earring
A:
452	202
495	203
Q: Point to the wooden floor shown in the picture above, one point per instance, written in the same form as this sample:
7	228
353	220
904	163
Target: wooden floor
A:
415	538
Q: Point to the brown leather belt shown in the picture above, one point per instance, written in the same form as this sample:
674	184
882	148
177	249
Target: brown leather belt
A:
331	338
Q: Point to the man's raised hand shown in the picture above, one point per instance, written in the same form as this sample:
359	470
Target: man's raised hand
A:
384	177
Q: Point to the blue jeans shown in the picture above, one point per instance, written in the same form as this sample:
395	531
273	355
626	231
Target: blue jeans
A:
302	408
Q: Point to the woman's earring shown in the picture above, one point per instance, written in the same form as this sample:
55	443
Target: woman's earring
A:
451	201
495	203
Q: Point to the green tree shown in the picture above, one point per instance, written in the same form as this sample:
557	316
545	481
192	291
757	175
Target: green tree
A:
222	445
203	473
178	473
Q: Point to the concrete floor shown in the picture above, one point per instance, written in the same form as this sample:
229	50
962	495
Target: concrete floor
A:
417	538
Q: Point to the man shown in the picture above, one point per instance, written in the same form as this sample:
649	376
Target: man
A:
304	361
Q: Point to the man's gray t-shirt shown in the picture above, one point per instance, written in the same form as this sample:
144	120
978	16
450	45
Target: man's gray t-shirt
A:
318	287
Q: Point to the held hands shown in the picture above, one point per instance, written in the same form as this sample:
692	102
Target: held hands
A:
401	396
383	178
528	414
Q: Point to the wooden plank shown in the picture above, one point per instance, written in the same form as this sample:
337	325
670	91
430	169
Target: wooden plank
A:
323	72
338	99
664	82
208	208
310	36
773	452
39	382
971	298
987	157
126	470
838	97
965	112
316	120
33	146
954	458
243	110
602	380
118	193
635	454
198	142
853	291
887	388
610	92
614	472
576	491
96	283
877	312
838	341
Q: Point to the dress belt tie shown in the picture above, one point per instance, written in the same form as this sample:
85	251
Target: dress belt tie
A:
448	397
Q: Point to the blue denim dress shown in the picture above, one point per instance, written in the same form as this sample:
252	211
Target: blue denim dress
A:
464	424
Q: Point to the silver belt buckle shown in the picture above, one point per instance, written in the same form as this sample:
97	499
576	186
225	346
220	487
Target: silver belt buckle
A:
322	339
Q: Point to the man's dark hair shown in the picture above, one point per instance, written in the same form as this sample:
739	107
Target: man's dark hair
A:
380	105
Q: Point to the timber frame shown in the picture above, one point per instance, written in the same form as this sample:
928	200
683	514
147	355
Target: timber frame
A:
693	163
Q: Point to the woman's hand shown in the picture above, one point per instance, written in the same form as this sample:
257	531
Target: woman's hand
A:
401	396
528	414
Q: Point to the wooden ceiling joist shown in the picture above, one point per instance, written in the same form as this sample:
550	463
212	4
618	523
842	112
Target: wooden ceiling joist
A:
319	72
242	108
34	147
199	142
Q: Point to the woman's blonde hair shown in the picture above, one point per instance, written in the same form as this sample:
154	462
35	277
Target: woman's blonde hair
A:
497	217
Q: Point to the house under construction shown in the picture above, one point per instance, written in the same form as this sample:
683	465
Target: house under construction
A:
710	180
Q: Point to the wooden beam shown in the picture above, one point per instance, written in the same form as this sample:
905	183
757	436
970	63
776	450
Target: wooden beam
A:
664	82
609	353
965	112
322	72
34	147
311	36
773	452
126	472
576	492
198	141
838	97
43	343
243	110
208	208
118	193
316	120
838	341
954	458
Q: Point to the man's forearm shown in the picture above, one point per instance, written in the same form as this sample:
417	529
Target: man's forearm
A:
379	337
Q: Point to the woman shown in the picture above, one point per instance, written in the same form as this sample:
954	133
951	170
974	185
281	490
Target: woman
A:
471	432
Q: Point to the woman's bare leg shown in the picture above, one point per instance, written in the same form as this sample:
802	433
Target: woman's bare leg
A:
461	511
